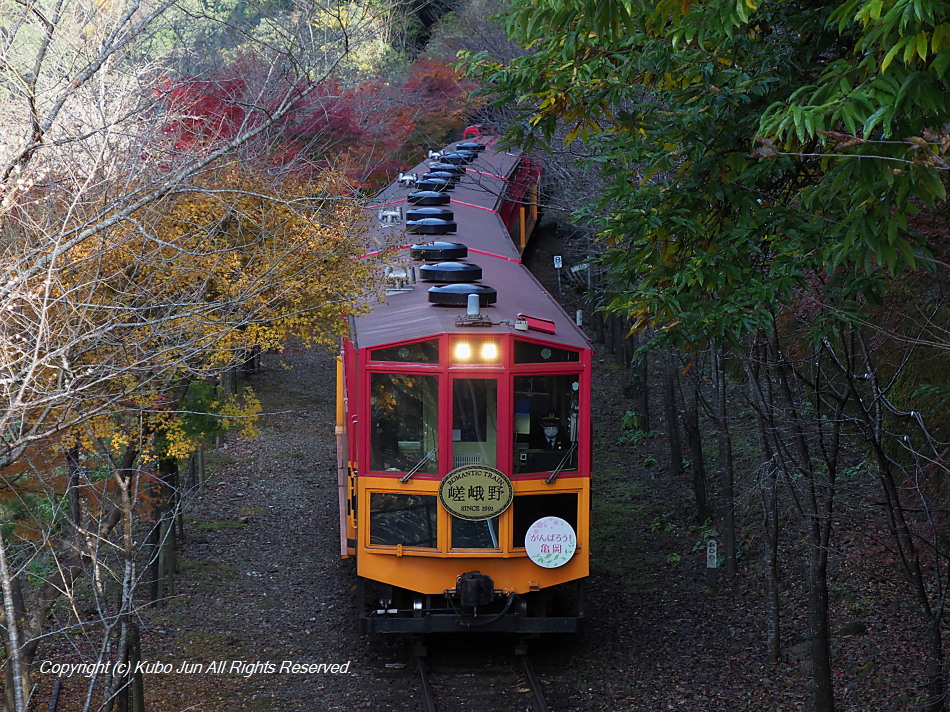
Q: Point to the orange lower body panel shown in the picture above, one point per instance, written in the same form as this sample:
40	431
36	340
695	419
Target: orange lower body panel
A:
434	575
434	569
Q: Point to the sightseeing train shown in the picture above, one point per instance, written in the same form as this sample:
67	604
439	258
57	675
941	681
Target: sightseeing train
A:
463	412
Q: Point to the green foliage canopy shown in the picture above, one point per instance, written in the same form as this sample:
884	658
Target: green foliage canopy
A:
752	153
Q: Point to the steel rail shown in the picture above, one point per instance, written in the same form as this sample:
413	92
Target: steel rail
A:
428	699
534	683
428	696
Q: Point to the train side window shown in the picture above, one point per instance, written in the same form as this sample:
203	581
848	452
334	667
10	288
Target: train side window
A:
530	352
545	423
405	422
407	519
475	535
419	352
529	508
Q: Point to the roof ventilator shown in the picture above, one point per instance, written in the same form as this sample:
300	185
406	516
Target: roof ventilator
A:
431	226
459	158
447	168
438	251
440	175
423	212
428	197
451	271
399	278
389	215
435	184
471	296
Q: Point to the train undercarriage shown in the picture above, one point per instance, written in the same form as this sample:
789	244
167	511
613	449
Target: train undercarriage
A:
472	606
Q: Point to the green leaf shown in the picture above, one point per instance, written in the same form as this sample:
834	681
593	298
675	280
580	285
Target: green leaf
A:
907	252
940	63
889	57
922	45
799	125
742	11
910	48
891	232
847	115
941	37
930	181
872	121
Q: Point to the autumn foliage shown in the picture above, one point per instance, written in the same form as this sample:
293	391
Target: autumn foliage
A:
366	131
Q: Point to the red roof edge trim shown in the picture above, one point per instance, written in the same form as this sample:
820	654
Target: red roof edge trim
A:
492	254
469	205
487	175
383	205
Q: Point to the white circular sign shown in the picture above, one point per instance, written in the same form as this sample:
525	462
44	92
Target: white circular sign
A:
550	542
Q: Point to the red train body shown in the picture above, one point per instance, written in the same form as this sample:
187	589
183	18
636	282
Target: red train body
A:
463	421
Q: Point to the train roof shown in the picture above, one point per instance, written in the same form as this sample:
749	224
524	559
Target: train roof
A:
476	201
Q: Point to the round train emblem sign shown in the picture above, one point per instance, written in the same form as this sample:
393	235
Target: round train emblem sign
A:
476	492
550	542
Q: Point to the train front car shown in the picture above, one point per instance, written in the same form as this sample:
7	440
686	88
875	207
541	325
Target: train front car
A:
464	420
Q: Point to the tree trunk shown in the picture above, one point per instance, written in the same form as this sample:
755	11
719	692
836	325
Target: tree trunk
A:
161	543
773	609
131	697
611	334
818	507
672	419
694	443
17	687
928	588
768	492
630	342
726	467
637	388
936	678
597	322
760	396
821	633
75	471
229	381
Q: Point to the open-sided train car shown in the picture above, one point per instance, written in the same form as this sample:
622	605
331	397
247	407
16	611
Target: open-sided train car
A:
463	413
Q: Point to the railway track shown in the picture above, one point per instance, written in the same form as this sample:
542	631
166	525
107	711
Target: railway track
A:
463	681
475	672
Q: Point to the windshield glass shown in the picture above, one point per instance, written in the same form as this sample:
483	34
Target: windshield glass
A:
405	412
545	423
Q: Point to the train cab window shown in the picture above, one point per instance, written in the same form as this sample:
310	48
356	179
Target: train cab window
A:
529	508
545	423
407	519
420	352
475	535
474	421
530	352
405	422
